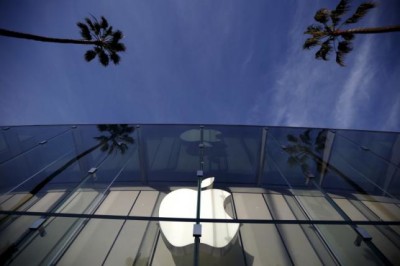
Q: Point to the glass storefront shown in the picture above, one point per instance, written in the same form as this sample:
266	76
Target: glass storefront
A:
141	195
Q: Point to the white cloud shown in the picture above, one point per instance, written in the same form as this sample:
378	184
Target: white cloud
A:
392	122
295	94
355	92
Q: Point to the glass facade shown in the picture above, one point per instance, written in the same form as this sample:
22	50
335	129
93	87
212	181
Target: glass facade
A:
140	195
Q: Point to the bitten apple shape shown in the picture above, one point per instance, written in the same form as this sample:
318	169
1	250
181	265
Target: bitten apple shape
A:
182	203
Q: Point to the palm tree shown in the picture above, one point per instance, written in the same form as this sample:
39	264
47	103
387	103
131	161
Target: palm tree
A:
329	33
116	139
105	40
306	149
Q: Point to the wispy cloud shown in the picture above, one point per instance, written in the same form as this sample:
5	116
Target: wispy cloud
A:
295	95
392	123
355	92
307	92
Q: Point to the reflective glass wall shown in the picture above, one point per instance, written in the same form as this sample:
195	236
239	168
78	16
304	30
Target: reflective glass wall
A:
142	195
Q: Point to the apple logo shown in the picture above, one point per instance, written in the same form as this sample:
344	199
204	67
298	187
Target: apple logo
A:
182	203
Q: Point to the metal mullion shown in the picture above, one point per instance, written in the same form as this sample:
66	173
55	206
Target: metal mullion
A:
199	180
378	253
371	151
157	235
203	220
262	157
34	147
393	236
325	161
371	245
239	232
303	209
142	154
37	173
78	226
318	233
119	231
367	179
279	231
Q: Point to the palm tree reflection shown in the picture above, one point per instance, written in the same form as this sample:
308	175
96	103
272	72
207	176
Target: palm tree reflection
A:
305	150
115	138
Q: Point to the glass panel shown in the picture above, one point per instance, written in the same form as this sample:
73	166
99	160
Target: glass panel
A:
35	164
169	156
167	254
275	175
383	144
14	227
134	235
341	240
388	245
100	233
364	171
17	140
299	247
231	154
297	153
6	151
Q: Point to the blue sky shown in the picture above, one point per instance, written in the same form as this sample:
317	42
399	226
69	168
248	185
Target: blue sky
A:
211	62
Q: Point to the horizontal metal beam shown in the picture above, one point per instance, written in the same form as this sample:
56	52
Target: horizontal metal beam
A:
203	220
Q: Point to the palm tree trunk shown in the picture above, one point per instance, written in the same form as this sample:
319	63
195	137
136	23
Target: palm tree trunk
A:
348	180
368	30
27	36
49	178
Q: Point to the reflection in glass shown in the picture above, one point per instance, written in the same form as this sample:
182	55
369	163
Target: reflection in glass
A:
270	177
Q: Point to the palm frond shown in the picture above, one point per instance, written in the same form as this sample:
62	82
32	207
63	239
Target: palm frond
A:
104	22
340	58
361	11
291	138
115	58
111	149
104	147
90	24
338	12
345	47
322	15
311	42
117	47
85	32
103	58
90	55
348	36
320	140
324	51
97	28
109	31
117	36
102	127
316	31
107	43
305	137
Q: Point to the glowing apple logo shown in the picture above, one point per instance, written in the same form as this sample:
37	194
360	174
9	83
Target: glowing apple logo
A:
182	203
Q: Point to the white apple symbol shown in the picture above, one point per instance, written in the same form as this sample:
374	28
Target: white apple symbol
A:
182	203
